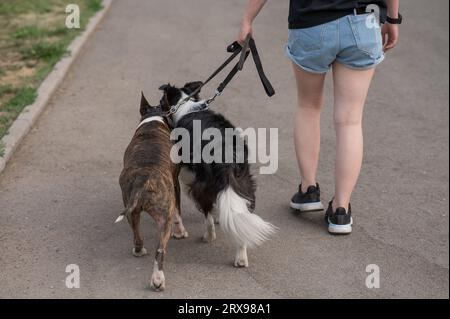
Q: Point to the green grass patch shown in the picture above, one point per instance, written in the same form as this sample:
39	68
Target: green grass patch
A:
25	96
14	7
33	38
94	5
43	51
57	32
28	32
6	89
34	32
9	111
2	149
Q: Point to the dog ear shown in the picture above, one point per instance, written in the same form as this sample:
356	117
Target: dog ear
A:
192	86
144	101
144	105
164	87
165	105
171	96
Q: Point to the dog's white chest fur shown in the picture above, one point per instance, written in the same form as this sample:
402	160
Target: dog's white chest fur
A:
150	119
185	108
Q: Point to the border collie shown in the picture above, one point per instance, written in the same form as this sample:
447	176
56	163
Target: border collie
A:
228	186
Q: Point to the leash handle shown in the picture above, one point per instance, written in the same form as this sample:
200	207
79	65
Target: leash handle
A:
244	52
264	80
236	47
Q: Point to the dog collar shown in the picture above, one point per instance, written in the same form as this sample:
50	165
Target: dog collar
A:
151	119
194	107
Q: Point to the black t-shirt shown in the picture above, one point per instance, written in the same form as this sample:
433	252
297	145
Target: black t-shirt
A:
309	13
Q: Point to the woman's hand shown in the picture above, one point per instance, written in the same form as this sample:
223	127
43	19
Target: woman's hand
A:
389	34
246	29
250	13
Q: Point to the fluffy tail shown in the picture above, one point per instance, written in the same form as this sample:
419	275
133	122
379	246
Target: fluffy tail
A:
131	207
235	218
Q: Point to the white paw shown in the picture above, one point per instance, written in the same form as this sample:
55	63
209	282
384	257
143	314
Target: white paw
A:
180	235
241	262
209	237
241	259
179	232
158	282
143	252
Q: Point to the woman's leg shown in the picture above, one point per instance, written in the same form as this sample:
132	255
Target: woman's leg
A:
307	123
350	92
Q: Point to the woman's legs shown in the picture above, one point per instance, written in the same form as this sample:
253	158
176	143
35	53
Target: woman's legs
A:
350	92
307	123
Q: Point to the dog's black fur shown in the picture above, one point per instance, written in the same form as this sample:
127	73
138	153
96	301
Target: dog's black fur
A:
212	178
230	186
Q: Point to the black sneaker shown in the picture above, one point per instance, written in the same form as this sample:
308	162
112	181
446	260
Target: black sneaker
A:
309	201
340	221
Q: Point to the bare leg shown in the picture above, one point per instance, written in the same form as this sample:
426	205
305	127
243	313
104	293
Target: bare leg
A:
210	233
134	220
350	92
307	123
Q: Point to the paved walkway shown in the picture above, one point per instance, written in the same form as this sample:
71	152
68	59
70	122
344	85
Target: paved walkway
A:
60	195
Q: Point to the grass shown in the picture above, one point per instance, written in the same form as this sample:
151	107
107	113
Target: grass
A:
2	149
44	51
22	97
6	89
33	38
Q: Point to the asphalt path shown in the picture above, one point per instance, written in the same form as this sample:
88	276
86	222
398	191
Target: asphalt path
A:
59	195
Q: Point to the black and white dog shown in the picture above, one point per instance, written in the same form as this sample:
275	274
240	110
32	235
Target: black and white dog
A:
227	186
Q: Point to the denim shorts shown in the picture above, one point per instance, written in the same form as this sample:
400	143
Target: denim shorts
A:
353	40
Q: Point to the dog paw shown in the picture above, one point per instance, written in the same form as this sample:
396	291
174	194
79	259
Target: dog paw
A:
158	282
140	253
241	263
180	235
241	259
209	237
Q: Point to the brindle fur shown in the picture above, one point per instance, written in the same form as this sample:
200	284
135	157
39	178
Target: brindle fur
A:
149	182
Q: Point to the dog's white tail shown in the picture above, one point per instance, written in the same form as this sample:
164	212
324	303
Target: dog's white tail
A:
246	228
129	209
119	219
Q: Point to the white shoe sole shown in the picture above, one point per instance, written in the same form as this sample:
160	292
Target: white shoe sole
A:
340	229
307	207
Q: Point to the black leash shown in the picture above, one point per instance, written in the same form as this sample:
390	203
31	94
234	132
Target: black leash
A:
235	48
250	42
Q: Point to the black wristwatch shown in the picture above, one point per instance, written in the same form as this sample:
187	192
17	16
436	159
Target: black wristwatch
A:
395	21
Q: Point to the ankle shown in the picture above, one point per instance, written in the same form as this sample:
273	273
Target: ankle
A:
339	203
305	184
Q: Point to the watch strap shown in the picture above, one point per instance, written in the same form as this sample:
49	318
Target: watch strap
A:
395	21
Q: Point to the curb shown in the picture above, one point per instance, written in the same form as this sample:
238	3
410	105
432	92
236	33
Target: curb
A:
22	125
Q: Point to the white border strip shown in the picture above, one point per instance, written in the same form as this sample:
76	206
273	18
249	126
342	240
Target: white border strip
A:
22	125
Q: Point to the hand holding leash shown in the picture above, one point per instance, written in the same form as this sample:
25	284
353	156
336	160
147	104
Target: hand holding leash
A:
235	48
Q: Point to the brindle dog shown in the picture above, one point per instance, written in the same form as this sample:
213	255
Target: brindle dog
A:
149	182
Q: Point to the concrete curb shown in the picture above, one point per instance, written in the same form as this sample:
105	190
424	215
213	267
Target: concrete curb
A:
22	125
